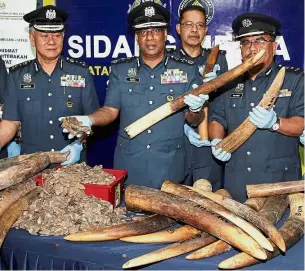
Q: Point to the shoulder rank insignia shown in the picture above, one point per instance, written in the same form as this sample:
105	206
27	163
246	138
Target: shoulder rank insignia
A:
182	60
20	65
76	62
294	69
123	60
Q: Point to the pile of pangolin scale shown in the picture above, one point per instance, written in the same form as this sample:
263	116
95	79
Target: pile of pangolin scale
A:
63	208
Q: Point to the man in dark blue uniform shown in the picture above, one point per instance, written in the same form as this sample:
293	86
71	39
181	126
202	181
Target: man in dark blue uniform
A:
271	154
13	148
192	28
139	85
43	89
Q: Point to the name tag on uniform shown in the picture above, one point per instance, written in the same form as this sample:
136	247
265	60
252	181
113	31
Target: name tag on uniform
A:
174	76
27	86
285	93
236	95
74	81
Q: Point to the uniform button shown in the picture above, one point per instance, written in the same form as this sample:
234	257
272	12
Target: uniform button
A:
28	98
52	150
151	88
130	90
148	147
50	80
150	102
49	94
234	105
51	136
50	108
286	168
254	88
252	104
51	121
178	146
249	169
248	153
69	96
149	131
152	76
171	90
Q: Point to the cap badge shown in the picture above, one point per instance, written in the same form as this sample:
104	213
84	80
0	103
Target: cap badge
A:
51	14
149	11
197	3
246	23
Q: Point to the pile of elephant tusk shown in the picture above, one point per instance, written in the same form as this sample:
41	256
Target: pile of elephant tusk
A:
205	223
18	186
213	223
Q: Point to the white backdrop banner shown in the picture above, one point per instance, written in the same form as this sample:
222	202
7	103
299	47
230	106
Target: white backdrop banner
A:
14	37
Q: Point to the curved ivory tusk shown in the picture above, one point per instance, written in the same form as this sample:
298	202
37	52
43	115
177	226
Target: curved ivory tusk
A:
172	235
173	250
184	192
170	108
156	201
269	189
292	232
26	169
146	225
248	214
242	133
273	210
13	213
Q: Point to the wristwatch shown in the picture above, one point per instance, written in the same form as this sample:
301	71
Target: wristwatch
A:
275	126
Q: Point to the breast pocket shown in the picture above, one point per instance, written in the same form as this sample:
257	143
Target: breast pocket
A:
236	111
29	107
70	101
281	106
132	95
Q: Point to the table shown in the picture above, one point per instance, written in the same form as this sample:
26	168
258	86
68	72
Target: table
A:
23	251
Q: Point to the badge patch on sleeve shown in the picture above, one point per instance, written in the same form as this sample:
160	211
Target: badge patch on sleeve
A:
285	93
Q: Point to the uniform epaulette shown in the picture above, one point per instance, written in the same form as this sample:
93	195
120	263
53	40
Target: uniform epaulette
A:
20	65
182	60
292	69
123	60
170	50
76	62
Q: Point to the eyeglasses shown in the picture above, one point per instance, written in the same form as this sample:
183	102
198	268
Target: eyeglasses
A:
259	42
153	31
190	25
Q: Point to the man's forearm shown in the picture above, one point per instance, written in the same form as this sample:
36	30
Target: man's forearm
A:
216	130
104	116
291	126
8	130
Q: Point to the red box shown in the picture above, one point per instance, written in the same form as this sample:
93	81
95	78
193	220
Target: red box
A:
112	192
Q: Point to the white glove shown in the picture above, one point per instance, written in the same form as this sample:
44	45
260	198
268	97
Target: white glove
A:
195	103
220	154
74	149
262	118
194	137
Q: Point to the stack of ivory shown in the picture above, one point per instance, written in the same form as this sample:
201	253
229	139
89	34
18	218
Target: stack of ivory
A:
18	186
